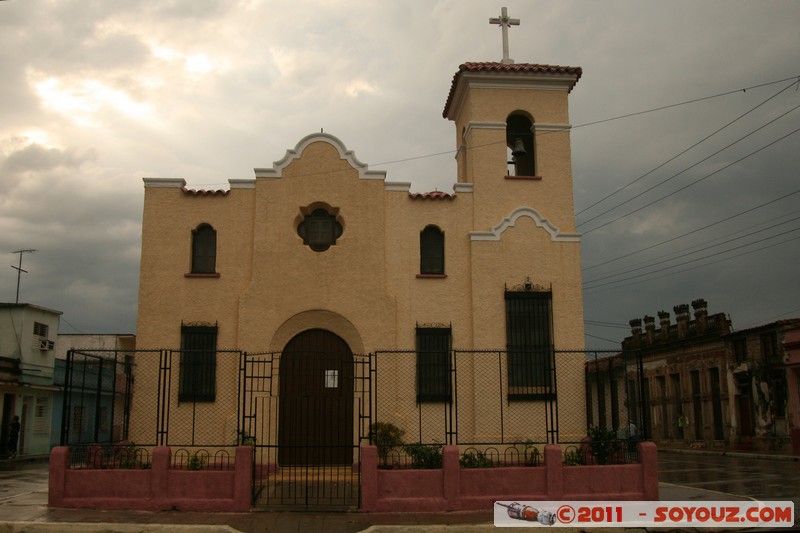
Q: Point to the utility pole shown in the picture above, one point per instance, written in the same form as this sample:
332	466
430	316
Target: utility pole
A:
19	268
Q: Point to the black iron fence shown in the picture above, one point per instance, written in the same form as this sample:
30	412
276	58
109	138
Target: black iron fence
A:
96	404
499	408
616	393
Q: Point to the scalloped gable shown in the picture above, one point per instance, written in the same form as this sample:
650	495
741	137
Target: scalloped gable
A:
495	233
277	167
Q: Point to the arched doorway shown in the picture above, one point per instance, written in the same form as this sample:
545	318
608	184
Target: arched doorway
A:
316	400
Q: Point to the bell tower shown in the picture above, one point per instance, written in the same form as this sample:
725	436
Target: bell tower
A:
512	135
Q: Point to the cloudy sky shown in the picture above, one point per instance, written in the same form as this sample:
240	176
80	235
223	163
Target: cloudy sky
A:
685	142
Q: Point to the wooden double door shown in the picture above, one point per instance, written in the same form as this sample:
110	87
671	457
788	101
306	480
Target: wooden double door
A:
316	400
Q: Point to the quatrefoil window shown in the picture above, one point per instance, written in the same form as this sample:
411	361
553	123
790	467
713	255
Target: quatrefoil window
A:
319	229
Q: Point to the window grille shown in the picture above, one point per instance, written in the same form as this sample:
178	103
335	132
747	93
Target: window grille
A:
530	348
198	364
40	415
433	364
319	230
40	330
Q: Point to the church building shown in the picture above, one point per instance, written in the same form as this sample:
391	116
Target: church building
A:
318	263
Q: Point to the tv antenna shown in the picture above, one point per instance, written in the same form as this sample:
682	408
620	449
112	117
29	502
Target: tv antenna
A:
19	268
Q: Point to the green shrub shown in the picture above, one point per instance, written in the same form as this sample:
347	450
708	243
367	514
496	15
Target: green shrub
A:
531	453
602	443
573	458
196	462
424	455
131	457
475	460
386	437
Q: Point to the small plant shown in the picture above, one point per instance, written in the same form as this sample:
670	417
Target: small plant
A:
475	460
131	457
386	437
573	458
531	453
424	455
601	443
245	439
196	462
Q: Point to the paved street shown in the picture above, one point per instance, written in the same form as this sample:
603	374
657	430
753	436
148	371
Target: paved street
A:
26	478
762	479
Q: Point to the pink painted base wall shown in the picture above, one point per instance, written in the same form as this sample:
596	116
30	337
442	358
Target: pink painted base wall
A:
156	489
453	488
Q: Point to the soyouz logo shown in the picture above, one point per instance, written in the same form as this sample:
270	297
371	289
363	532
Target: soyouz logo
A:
729	514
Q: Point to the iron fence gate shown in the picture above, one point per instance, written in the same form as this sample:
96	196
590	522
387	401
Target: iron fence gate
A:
306	413
96	403
307	409
617	396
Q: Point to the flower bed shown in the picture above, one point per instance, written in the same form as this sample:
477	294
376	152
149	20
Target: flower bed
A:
453	487
159	487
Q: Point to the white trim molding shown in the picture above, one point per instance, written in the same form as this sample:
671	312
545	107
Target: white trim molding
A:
403	186
483	126
496	232
164	183
462	187
276	171
242	183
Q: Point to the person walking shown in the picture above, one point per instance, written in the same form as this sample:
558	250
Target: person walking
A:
682	423
13	436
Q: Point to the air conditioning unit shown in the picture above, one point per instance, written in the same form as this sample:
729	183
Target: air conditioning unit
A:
45	344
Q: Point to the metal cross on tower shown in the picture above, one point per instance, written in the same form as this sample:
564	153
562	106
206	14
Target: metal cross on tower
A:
505	23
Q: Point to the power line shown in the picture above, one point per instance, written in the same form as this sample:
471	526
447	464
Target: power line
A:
62	319
601	338
680	154
605	324
796	79
708	248
704	246
574	127
592	290
694	182
689	167
726	219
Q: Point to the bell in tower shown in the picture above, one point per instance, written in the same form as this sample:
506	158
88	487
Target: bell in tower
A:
519	139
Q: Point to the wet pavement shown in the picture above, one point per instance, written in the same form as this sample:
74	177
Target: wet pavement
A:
683	476
743	475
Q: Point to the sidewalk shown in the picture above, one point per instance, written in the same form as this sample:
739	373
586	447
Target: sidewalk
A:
26	511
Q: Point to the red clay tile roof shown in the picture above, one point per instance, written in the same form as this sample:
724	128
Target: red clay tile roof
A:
203	192
525	68
433	195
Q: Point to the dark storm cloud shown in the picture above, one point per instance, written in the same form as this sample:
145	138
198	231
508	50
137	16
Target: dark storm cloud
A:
208	89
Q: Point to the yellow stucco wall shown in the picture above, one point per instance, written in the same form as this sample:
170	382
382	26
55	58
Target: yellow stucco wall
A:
365	288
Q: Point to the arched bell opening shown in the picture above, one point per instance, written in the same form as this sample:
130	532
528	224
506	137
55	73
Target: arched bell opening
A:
521	146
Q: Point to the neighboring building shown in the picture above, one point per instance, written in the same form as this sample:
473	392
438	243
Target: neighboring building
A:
685	391
791	346
702	384
27	354
759	378
100	387
319	258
